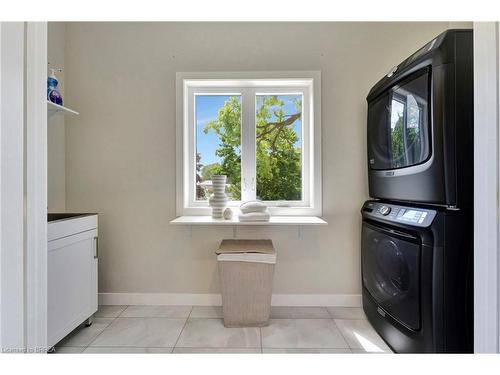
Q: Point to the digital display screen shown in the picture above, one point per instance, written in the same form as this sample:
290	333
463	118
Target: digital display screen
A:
411	215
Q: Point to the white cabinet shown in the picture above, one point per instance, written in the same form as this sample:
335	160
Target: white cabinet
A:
72	275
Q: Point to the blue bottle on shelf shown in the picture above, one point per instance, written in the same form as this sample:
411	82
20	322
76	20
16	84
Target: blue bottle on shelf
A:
53	93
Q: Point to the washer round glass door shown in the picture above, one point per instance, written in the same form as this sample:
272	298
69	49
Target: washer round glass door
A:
390	267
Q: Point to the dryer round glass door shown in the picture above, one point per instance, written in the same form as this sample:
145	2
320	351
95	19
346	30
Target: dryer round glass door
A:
390	267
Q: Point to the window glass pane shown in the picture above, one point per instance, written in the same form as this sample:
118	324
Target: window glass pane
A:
218	143
279	147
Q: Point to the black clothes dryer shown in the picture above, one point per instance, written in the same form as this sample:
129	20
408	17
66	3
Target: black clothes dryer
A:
420	126
417	277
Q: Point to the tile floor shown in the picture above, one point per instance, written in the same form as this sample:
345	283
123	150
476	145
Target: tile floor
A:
199	329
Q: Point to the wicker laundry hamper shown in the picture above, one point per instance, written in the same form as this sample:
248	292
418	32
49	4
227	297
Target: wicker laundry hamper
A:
246	270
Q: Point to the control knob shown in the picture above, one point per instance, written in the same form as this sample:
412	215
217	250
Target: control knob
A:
384	210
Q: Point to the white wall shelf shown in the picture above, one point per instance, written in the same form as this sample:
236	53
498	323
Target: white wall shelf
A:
53	108
274	220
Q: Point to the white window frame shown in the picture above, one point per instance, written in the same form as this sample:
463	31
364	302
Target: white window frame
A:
248	85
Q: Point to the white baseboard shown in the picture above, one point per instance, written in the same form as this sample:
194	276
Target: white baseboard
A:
345	300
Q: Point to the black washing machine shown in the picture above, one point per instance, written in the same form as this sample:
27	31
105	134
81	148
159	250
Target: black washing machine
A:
417	277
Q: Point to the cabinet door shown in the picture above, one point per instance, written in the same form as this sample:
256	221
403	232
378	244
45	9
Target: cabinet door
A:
72	283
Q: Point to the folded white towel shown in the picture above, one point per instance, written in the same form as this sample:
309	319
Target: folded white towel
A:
253	206
254	216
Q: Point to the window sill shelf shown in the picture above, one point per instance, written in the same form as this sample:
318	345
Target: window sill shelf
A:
274	220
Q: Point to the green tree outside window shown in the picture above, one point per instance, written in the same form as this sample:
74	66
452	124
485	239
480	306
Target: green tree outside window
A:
278	151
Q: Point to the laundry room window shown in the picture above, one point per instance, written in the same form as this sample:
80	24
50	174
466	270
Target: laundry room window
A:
218	143
262	133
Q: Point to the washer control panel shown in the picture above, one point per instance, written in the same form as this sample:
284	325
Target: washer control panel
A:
419	217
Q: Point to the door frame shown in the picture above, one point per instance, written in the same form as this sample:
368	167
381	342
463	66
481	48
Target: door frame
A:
11	187
36	186
23	187
486	187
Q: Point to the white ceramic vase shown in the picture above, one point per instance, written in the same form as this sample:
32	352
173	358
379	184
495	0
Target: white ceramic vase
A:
218	201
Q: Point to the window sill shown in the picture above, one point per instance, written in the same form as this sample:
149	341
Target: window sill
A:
274	220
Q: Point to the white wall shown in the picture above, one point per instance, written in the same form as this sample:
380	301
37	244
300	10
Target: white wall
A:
486	187
120	152
56	157
23	193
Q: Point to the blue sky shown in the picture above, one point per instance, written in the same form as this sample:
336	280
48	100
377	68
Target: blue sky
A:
207	108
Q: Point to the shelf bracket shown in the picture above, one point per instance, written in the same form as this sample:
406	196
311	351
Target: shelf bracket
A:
299	231
190	231
235	231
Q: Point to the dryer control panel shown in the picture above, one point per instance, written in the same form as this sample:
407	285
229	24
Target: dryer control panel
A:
419	217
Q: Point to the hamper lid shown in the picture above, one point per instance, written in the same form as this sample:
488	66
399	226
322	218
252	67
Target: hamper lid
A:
246	246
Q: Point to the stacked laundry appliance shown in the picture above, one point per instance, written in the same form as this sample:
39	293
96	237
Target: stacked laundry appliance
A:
417	230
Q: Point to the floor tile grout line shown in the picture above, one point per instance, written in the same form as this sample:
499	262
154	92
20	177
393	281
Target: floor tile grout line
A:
116	316
189	316
182	330
299	348
308	348
343	336
131	347
95	338
154	316
261	347
121	312
81	327
218	347
190	312
119	315
329	313
214	347
224	348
